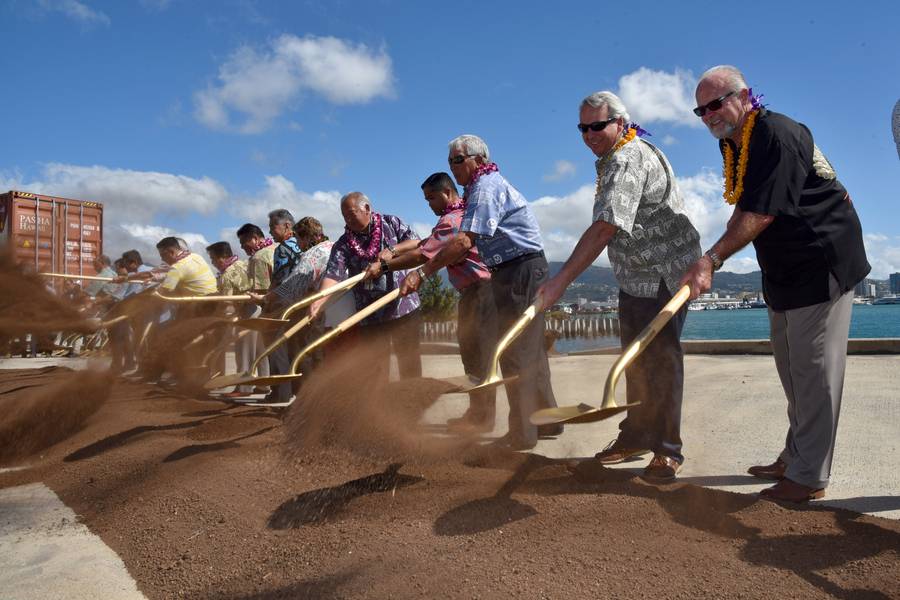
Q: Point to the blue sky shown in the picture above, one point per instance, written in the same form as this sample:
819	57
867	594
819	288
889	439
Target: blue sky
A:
191	117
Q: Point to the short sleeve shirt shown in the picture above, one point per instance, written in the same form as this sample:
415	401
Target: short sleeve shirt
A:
116	290
344	262
307	276
503	223
285	259
638	194
816	231
190	276
235	279
260	268
467	271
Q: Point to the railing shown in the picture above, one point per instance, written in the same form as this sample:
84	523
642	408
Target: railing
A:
588	326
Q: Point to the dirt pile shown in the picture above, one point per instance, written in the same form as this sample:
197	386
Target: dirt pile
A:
197	499
45	413
347	403
27	306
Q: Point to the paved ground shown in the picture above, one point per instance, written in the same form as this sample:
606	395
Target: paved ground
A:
734	415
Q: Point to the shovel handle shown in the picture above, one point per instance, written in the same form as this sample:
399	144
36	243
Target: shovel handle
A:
345	325
643	340
339	287
212	298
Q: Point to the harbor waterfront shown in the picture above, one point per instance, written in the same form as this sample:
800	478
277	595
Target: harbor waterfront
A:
867	321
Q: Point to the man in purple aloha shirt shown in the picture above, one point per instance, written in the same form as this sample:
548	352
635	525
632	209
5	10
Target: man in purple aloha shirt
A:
366	235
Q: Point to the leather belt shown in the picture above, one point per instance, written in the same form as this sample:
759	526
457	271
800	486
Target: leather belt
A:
514	261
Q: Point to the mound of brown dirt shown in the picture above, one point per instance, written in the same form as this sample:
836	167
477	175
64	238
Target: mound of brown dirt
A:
42	415
202	504
346	404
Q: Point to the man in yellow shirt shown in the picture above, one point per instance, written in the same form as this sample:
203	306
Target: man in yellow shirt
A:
189	274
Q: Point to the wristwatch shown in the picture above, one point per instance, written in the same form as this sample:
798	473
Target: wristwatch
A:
421	272
392	251
716	261
384	266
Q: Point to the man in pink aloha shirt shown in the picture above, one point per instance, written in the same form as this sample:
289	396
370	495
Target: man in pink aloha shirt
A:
477	315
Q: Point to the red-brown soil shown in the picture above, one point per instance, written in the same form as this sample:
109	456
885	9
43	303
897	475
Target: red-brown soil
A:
201	500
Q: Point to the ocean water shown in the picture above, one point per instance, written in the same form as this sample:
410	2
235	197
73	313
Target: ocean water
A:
753	324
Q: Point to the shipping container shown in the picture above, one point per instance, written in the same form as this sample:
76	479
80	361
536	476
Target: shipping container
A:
46	233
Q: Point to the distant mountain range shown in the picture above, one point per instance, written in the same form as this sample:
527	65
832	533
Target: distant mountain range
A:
599	283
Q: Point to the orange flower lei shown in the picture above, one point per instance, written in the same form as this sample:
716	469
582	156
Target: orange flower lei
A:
734	186
629	135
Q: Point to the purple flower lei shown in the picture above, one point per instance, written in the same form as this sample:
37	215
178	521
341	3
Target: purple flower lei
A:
482	170
755	100
374	246
459	204
639	131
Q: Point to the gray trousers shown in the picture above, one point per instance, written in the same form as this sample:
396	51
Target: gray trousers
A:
514	289
477	337
810	348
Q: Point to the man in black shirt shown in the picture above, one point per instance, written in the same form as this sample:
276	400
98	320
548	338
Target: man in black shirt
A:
809	245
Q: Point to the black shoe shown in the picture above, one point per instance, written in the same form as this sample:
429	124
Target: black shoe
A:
549	430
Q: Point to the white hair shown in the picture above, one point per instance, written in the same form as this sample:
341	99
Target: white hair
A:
732	75
614	105
357	199
471	145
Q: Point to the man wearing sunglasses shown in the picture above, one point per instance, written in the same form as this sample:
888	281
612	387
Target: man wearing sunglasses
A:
809	245
499	222
639	216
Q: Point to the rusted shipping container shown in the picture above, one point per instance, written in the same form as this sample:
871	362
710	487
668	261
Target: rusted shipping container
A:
53	234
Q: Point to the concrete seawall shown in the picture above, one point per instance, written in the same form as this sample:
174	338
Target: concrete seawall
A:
858	346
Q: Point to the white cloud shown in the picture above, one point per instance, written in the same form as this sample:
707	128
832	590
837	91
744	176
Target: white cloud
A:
884	254
657	96
77	11
669	140
563	219
562	169
259	85
280	192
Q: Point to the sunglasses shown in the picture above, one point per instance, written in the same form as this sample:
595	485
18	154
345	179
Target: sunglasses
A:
596	125
713	106
459	158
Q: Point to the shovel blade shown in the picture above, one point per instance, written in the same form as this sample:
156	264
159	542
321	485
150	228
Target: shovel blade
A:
583	413
222	381
464	384
271	379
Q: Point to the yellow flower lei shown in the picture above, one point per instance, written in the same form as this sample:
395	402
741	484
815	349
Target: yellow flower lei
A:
629	135
734	189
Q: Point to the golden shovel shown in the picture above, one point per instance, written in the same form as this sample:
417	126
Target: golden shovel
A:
585	413
493	378
270	324
339	329
250	376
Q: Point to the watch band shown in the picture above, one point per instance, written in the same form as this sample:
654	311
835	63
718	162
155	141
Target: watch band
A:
716	261
385	268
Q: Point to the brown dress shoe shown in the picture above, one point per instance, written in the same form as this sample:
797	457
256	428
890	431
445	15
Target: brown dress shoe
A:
662	469
775	471
791	491
615	453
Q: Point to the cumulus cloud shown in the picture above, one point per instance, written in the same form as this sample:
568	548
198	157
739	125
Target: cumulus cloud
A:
657	96
562	169
884	254
563	219
77	11
280	192
255	86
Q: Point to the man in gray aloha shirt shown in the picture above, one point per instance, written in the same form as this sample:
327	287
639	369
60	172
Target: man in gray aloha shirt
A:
639	215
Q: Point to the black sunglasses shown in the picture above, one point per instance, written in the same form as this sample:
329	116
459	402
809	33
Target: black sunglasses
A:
459	158
713	106
596	125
